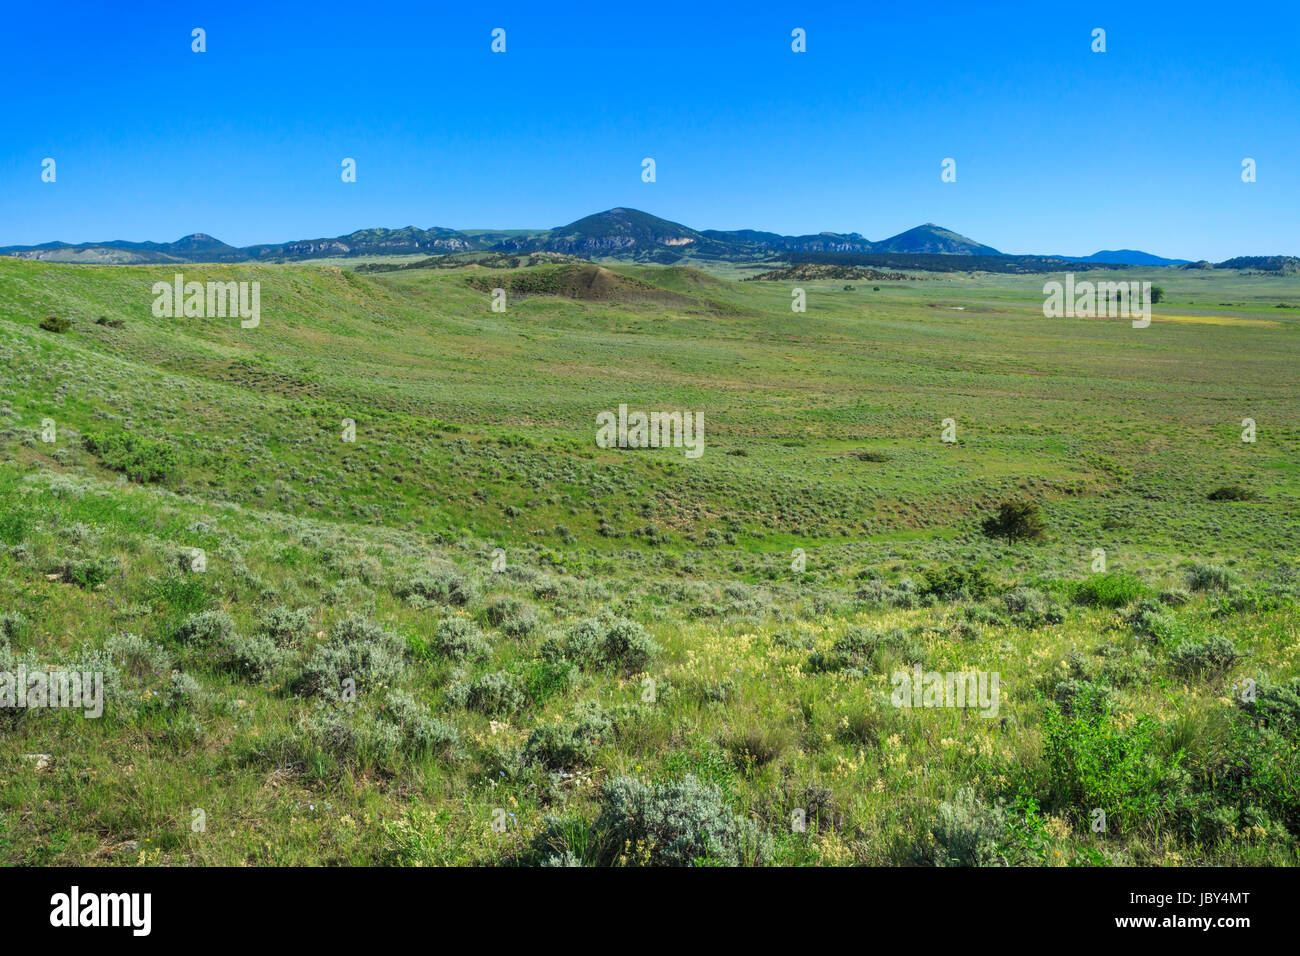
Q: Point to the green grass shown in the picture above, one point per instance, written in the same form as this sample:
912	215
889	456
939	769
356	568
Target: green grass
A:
475	431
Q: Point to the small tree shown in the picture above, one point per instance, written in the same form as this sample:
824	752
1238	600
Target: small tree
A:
1157	293
1016	520
55	323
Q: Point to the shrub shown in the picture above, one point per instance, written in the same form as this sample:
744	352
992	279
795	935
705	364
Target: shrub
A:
1232	493
967	833
139	458
55	323
492	693
1275	705
207	628
285	627
460	639
1094	762
439	586
514	617
860	646
1211	657
1016	520
1151	620
256	657
605	641
957	583
1111	589
565	745
358	650
1031	608
1209	577
12	624
674	824
87	572
421	734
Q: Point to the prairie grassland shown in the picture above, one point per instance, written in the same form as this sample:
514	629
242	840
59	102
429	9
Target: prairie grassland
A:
639	674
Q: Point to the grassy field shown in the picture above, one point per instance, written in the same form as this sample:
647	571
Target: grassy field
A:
571	654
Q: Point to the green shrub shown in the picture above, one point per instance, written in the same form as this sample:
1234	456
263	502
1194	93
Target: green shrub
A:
1016	520
1211	657
1209	577
140	459
967	833
512	616
55	323
445	586
566	745
1151	620
358	650
684	823
1232	493
492	693
287	628
460	639
860	647
207	629
1031	608
12	624
957	583
1110	589
86	571
1093	762
606	641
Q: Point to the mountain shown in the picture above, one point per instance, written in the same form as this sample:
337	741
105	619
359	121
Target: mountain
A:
1126	257
933	240
619	233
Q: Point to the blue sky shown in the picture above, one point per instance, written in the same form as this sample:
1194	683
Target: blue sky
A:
1058	149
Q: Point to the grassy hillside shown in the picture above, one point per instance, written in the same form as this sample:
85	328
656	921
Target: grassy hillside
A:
641	641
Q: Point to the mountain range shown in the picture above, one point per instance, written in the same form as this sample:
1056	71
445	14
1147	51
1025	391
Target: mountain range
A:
618	233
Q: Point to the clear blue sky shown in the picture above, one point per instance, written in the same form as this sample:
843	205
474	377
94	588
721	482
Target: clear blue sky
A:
1058	149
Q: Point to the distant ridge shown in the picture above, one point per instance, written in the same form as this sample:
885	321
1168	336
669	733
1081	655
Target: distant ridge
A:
618	233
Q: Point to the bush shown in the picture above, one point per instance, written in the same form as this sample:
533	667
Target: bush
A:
1232	493
87	572
1094	762
140	459
562	746
207	629
859	647
1151	620
1209	577
1031	608
421	734
514	617
55	323
1111	589
460	639
285	627
674	824
1016	520
12	624
1211	657
968	833
358	650
606	641
493	693
956	583
445	586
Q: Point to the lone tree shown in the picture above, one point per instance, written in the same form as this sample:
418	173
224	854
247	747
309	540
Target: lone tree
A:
1157	294
1016	520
